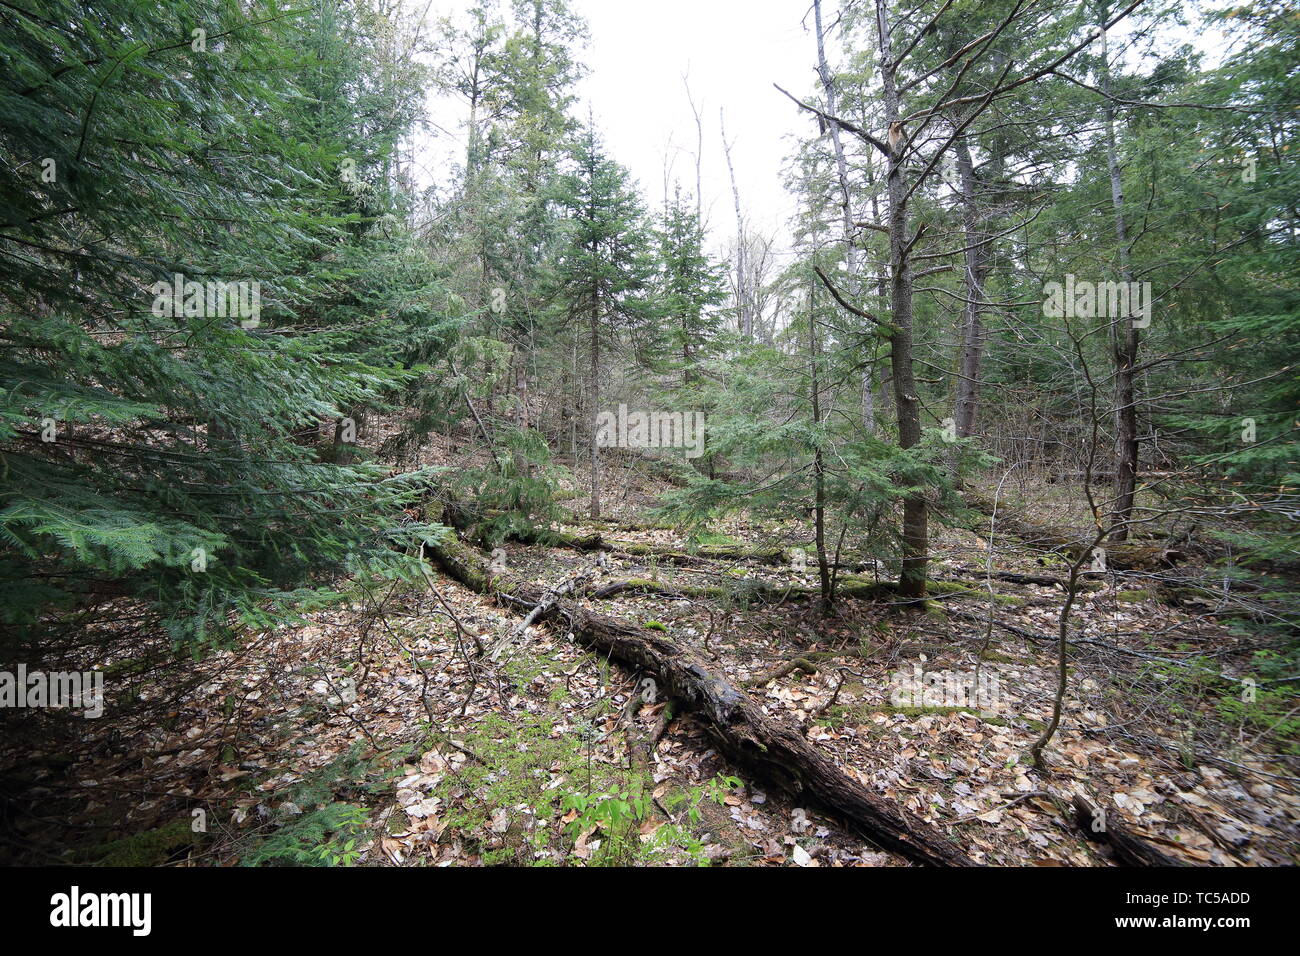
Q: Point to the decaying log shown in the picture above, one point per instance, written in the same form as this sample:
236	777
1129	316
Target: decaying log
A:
764	592
1120	556
669	554
1129	848
615	588
464	517
773	750
1042	580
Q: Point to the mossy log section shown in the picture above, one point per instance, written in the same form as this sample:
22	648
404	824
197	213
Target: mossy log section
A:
464	517
772	750
764	592
1129	848
1120	556
669	554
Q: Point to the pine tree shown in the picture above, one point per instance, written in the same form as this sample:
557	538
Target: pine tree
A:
603	275
688	291
147	444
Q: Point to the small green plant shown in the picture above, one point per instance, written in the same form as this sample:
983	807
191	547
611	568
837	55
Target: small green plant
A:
328	828
324	837
342	850
1266	705
617	816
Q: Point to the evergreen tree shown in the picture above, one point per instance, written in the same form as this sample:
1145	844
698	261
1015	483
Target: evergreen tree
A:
689	289
148	443
603	275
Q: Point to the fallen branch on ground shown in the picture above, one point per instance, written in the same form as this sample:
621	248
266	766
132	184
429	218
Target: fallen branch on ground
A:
773	750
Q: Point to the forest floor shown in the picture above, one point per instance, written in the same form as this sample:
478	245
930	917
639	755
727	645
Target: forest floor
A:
376	722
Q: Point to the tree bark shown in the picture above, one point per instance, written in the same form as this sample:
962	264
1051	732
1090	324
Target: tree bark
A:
1128	847
976	265
1124	337
915	531
819	461
595	404
744	315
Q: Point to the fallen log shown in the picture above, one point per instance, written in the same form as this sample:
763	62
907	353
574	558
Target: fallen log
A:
1129	848
1120	555
667	553
768	592
773	750
807	663
465	517
1016	577
747	590
536	614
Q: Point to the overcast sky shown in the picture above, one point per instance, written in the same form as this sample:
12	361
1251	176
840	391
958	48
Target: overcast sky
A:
732	51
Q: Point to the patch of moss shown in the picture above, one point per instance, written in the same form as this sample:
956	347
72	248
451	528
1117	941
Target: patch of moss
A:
127	668
946	587
926	711
655	626
149	848
707	538
840	715
1132	597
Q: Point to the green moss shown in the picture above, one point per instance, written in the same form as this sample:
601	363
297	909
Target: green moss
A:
946	587
655	626
127	668
861	714
709	538
1132	597
149	848
996	657
926	711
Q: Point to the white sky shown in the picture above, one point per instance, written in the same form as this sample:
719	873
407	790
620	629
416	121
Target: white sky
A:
640	50
732	51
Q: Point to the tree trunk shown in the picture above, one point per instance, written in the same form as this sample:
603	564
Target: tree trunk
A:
976	265
846	212
595	404
345	451
819	462
915	532
1124	337
744	315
